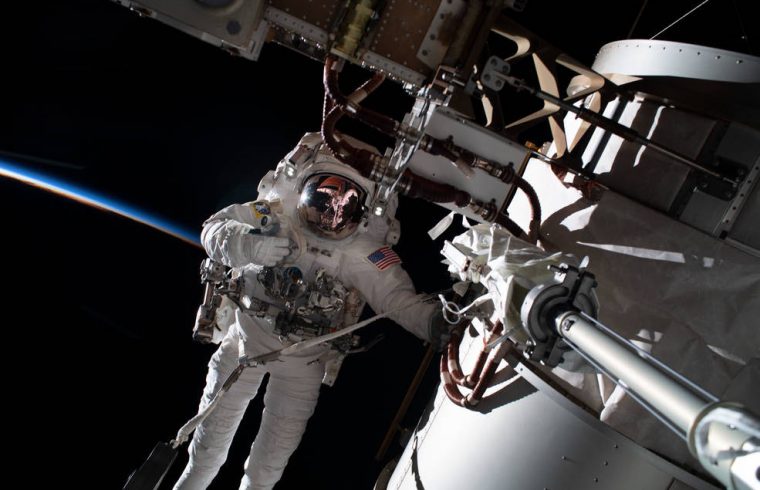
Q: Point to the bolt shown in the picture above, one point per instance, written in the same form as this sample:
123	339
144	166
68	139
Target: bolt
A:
606	463
728	194
234	27
703	185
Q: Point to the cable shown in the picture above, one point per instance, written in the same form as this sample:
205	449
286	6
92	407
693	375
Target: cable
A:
638	16
680	19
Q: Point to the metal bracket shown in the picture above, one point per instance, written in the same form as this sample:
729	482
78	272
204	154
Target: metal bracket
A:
493	73
545	302
720	187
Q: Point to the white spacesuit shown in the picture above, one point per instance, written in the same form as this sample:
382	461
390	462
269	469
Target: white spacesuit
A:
324	234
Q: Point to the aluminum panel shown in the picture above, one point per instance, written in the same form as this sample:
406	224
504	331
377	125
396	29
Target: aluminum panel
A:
444	124
233	23
401	31
320	14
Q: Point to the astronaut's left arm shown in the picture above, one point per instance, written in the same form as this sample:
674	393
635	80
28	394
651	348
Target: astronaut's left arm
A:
392	290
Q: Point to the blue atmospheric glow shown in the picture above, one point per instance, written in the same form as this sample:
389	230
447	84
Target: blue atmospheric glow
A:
91	198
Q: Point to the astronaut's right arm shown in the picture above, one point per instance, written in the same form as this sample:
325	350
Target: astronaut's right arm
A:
235	236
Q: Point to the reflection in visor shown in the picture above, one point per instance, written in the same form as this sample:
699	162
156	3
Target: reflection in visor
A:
331	205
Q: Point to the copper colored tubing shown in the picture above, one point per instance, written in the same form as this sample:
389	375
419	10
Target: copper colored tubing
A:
326	106
455	153
367	87
472	379
535	207
380	122
359	158
375	120
485	378
449	386
329	120
477	371
330	81
511	226
420	187
363	160
341	149
452	357
485	367
359	94
328	130
435	146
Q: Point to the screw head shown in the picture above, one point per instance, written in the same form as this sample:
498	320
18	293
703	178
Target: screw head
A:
234	27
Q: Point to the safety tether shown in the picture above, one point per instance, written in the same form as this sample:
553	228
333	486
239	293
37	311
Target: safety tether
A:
248	361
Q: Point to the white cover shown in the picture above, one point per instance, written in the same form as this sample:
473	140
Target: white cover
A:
691	299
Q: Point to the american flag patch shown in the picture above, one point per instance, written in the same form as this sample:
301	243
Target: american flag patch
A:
383	258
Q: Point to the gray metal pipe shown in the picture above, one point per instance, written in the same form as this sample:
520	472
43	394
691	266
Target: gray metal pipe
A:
680	405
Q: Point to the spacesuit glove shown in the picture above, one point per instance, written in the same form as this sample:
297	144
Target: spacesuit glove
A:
439	331
266	250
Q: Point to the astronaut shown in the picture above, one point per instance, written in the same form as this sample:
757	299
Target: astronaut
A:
324	235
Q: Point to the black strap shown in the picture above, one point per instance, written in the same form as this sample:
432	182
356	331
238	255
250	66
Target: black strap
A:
152	472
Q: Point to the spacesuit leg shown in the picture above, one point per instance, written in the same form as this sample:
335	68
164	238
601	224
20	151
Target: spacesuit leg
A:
289	401
212	439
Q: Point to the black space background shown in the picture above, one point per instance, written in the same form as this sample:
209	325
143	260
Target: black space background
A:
97	310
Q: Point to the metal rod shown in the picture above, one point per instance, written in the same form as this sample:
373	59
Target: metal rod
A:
676	375
638	17
662	418
608	125
667	396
